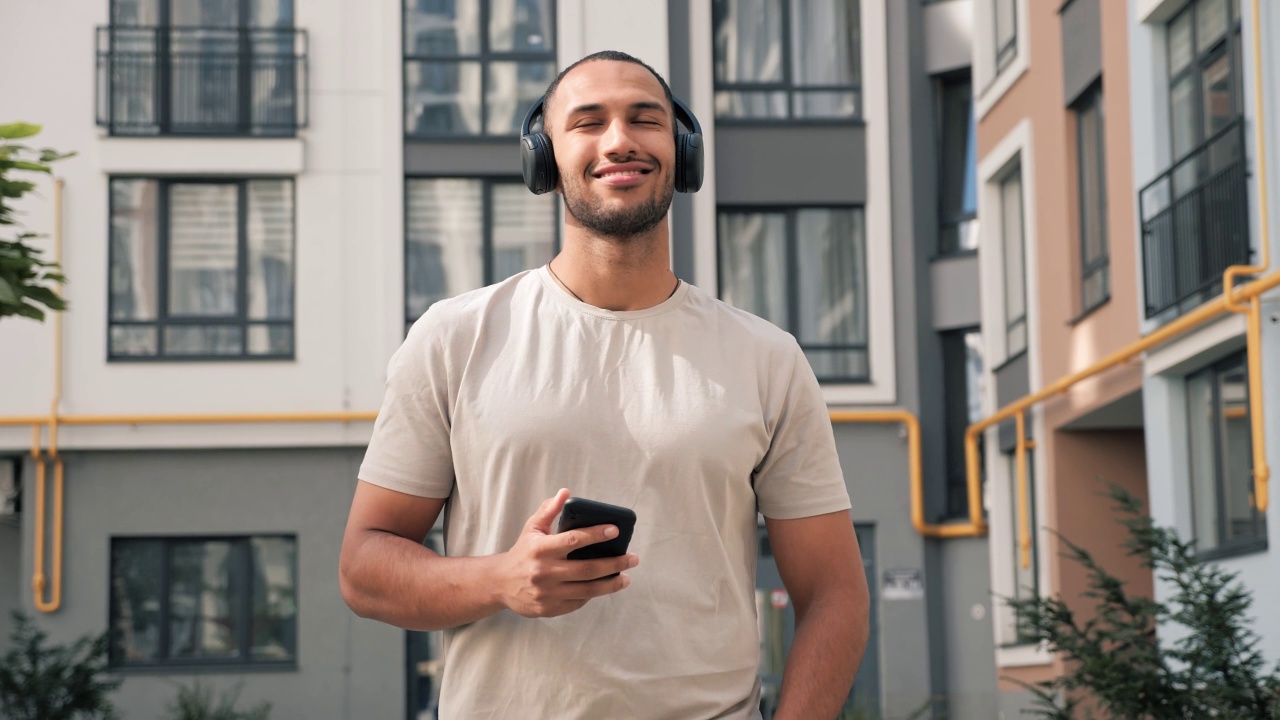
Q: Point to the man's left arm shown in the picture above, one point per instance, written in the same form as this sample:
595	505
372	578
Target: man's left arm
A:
821	567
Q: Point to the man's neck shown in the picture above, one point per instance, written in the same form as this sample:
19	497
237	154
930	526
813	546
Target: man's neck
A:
618	275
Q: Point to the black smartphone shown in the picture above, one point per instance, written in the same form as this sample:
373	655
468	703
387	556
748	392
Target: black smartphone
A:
582	513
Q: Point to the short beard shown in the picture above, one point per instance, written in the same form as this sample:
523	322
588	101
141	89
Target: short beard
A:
623	224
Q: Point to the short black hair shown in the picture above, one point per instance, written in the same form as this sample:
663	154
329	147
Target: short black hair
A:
617	55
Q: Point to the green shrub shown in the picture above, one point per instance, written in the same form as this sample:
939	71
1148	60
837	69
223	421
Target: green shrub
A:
198	703
39	681
1211	667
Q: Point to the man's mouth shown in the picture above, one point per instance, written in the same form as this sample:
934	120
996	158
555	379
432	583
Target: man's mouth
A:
622	173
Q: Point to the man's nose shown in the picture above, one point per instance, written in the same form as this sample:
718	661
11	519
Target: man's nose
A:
617	139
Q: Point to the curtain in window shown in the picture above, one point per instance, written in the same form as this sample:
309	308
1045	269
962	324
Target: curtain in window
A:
445	235
825	50
831	289
753	264
749	49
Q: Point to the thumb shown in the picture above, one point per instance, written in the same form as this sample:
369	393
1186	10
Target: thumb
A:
546	513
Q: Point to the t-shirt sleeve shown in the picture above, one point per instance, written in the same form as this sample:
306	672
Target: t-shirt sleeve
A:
800	475
410	450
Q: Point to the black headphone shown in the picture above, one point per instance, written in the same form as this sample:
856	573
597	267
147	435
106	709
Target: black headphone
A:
538	161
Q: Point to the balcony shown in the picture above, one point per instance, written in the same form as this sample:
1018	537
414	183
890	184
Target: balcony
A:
194	81
1195	223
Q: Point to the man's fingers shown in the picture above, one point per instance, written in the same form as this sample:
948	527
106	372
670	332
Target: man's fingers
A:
597	588
588	570
567	542
546	513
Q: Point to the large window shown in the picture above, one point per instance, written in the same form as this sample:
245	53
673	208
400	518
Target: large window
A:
803	269
204	601
1006	27
474	67
201	67
464	234
201	269
1091	167
1013	248
787	59
1206	91
962	406
958	176
1220	452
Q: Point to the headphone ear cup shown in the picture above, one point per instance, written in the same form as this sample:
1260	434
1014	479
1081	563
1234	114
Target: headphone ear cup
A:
689	162
538	163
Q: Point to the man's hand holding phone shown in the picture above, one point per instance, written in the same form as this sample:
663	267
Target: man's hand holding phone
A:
539	579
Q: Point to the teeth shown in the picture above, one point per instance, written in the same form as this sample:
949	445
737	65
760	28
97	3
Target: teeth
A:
629	173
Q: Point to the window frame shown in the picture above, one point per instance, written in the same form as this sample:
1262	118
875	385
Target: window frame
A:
942	83
1258	540
787	84
163	318
1003	55
243	549
1092	99
488	182
1019	637
1015	169
485	58
791	289
955	396
246	63
1201	58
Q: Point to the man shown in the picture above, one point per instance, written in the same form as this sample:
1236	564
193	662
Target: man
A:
605	375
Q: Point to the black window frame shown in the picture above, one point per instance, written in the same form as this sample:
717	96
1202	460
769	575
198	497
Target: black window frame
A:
787	84
956	418
248	59
944	85
1092	99
488	182
485	57
1229	45
1020	635
163	319
1257	541
243	549
791	280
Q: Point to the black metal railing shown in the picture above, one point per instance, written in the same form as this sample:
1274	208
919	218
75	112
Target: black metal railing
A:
201	81
1195	223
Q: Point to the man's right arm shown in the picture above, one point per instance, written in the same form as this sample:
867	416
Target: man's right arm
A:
387	574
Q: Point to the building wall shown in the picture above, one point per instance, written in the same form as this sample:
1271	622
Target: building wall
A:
347	667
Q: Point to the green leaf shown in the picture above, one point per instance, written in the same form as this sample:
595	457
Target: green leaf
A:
15	131
46	297
7	292
34	167
30	311
48	155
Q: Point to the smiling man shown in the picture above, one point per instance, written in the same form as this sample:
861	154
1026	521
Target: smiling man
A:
604	374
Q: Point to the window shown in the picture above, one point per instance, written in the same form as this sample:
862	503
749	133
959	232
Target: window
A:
962	406
1006	15
1221	460
804	270
464	234
1206	93
201	269
1095	281
1026	578
1015	281
204	601
958	176
201	67
787	59
474	67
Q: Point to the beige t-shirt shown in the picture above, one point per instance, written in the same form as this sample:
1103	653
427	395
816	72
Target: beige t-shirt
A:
692	413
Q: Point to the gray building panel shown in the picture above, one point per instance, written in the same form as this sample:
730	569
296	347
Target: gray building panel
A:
1081	47
1012	383
966	626
462	158
791	165
953	282
11	584
679	78
346	668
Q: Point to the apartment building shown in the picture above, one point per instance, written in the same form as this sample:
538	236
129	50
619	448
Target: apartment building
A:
268	192
1205	121
1118	177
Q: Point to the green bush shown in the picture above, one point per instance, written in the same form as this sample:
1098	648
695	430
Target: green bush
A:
26	281
39	681
198	703
1211	668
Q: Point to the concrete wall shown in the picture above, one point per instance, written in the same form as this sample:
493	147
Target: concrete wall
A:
347	667
11	585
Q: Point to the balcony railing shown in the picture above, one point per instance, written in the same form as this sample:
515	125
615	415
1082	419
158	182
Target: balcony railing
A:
201	81
1195	223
